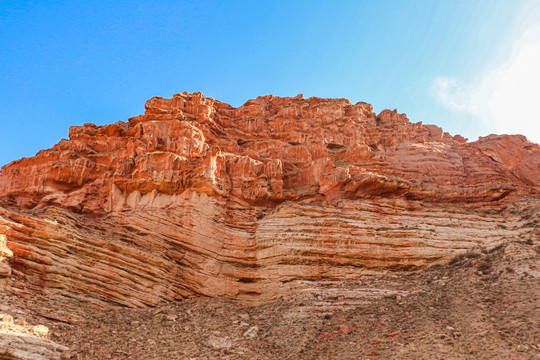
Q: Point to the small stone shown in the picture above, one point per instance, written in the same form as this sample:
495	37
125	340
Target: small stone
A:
344	328
40	330
244	316
171	317
8	319
219	343
328	316
251	332
135	323
482	333
393	334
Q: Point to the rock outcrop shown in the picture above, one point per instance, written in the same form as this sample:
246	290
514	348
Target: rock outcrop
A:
30	347
19	341
196	197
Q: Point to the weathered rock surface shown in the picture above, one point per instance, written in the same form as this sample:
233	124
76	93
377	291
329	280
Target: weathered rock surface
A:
17	347
199	198
23	342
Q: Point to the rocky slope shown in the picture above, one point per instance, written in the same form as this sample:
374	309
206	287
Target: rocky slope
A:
481	305
277	197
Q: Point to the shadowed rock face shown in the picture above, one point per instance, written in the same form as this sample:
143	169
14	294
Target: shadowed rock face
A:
199	198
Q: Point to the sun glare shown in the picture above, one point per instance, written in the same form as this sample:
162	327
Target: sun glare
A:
504	98
513	103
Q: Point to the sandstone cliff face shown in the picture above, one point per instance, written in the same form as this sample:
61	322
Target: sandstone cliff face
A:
199	198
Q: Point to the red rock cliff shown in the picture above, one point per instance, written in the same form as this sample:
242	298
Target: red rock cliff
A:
198	197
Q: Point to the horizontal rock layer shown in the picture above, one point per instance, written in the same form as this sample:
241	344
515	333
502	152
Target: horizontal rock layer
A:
253	203
202	247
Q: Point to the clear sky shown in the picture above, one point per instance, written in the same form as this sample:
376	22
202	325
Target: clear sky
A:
471	67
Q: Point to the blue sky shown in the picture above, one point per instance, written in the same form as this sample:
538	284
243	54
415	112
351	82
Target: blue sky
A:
467	66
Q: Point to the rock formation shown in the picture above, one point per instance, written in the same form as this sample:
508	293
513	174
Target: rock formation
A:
196	197
23	342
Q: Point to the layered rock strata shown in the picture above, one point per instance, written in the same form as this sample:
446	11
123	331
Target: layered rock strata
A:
24	342
197	197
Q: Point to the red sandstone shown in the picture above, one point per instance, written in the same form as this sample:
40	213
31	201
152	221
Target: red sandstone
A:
198	197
